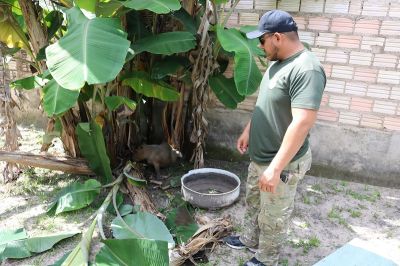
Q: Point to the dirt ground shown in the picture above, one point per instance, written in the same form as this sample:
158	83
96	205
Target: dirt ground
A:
328	213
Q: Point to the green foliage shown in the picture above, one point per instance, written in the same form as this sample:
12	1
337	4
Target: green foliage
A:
157	6
15	244
57	99
29	83
42	243
113	102
107	8
187	20
11	32
225	91
53	21
75	197
308	244
246	72
142	83
368	197
168	66
92	145
89	5
355	214
166	43
133	252
141	225
80	254
247	75
180	222
92	51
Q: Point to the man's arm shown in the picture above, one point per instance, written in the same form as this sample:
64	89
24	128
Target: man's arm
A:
303	120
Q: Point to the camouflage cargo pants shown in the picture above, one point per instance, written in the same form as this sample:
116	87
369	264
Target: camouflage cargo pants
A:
267	214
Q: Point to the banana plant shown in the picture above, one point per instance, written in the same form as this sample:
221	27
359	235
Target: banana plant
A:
103	55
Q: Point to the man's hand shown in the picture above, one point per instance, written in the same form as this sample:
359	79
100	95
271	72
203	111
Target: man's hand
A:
243	141
269	180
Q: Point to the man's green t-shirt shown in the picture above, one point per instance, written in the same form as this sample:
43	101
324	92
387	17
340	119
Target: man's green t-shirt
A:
296	82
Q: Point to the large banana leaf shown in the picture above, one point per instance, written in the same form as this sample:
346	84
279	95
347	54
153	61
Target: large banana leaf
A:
11	235
157	6
75	197
80	254
133	252
168	65
233	41
42	243
186	19
225	90
57	99
141	225
93	51
141	83
10	246
113	102
10	32
89	5
29	83
166	43
15	244
91	143
107	8
14	250
246	73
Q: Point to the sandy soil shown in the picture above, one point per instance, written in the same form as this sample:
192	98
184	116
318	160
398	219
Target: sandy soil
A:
328	214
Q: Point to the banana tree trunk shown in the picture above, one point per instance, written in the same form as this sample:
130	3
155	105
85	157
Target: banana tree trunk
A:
203	68
36	31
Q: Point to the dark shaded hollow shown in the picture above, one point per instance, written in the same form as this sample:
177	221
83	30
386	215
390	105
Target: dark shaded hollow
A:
210	183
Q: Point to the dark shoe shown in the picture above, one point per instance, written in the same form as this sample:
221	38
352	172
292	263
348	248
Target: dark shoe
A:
234	242
254	262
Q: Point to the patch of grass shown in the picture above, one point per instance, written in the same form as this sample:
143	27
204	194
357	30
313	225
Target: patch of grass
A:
358	196
40	182
307	244
362	206
284	262
316	187
241	261
335	188
354	213
306	200
238	229
343	183
45	222
334	214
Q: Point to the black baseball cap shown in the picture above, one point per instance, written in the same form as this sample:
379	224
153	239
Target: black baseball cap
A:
273	21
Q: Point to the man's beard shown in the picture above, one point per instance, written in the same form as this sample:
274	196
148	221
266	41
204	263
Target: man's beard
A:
274	55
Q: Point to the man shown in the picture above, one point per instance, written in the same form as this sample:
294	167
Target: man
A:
277	136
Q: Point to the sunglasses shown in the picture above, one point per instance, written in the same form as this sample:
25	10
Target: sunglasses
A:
262	38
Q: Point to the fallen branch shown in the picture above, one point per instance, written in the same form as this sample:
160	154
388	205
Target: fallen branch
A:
207	235
64	164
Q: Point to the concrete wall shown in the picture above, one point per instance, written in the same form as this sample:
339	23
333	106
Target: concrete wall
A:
358	42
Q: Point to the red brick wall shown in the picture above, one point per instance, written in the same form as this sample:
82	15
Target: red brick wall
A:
358	42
